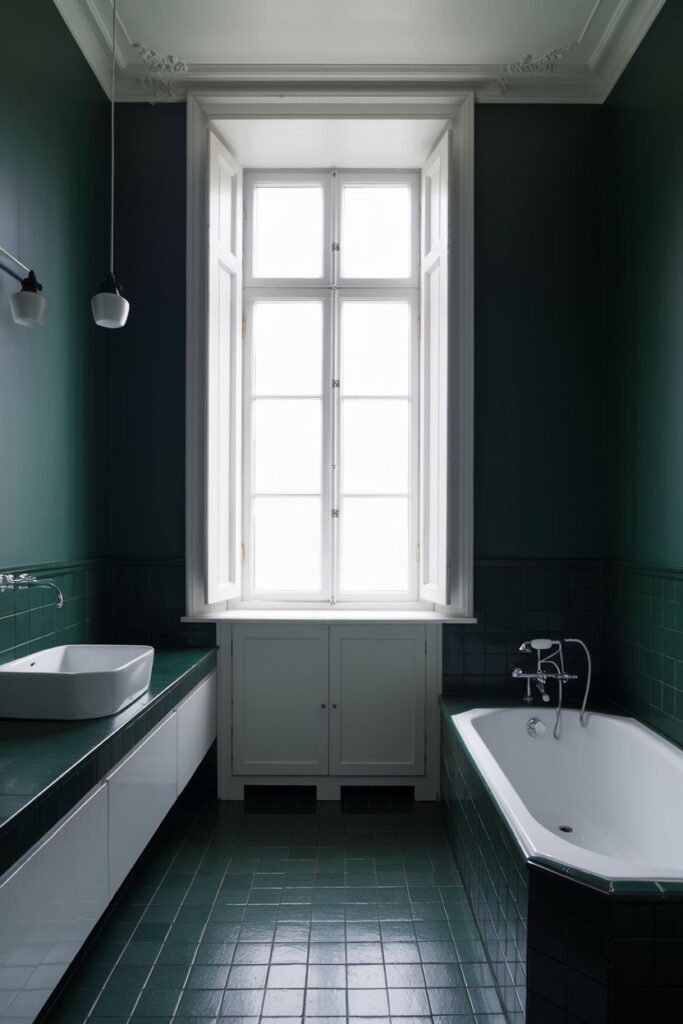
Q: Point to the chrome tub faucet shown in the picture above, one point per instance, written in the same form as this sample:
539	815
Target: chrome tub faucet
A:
8	581
550	653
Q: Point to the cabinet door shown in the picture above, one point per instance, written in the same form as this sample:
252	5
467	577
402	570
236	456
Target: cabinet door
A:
280	699
142	790
377	690
49	903
196	728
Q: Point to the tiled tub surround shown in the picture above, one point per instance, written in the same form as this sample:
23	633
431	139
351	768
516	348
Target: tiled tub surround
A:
513	601
492	866
47	767
591	951
643	632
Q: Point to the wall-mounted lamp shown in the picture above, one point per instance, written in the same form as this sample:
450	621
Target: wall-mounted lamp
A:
29	307
109	308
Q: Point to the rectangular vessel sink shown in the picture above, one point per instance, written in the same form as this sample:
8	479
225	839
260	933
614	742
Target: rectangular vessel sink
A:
75	681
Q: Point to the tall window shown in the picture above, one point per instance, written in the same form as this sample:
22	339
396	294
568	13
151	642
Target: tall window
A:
331	384
328	383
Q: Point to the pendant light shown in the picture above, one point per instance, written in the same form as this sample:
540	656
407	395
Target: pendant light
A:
29	307
109	308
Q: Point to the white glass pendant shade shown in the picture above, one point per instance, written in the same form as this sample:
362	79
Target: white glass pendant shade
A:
109	308
29	307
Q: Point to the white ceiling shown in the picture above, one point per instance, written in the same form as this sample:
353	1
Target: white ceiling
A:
508	49
366	144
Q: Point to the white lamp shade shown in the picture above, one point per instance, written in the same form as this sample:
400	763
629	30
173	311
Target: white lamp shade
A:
28	308
109	309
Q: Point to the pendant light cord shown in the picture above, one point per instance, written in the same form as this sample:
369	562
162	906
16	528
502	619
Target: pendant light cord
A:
113	88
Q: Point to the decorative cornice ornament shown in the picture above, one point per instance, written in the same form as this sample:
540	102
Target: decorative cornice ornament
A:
159	71
546	64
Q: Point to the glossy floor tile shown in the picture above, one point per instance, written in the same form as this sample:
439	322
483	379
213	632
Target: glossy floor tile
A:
240	916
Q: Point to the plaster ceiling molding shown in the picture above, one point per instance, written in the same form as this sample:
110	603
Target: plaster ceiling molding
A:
530	65
546	64
390	43
160	71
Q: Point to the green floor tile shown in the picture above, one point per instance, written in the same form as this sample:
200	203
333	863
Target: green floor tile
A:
238	918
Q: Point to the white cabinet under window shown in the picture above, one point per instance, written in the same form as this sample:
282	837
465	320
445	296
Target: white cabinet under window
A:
377	693
329	705
280	701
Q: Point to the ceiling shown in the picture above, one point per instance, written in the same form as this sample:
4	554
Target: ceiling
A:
508	50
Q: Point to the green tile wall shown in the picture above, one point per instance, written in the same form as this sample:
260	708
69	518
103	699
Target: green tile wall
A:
643	645
30	621
515	600
149	601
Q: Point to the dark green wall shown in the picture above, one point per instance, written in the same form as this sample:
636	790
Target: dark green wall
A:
148	360
53	406
538	453
537	333
643	203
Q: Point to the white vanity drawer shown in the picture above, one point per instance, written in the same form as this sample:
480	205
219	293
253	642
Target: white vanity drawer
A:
196	728
49	903
142	790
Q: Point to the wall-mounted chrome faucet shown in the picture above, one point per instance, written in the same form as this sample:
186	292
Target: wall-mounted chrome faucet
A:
551	653
22	582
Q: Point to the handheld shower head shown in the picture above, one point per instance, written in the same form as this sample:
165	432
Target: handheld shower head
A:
529	646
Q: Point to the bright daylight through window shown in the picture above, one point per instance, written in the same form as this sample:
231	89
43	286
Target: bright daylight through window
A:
330	386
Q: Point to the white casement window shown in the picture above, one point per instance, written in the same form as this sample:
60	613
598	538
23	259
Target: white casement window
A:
331	381
330	426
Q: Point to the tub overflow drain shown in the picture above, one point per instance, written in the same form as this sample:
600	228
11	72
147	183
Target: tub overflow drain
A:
566	828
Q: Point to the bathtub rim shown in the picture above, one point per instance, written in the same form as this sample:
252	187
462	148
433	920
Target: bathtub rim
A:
550	854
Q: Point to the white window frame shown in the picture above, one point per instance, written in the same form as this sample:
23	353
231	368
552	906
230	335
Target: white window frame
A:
332	290
458	109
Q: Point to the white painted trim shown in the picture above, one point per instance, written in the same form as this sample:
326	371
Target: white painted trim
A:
461	364
377	616
195	329
456	107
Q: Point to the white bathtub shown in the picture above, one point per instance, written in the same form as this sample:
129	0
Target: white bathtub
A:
616	783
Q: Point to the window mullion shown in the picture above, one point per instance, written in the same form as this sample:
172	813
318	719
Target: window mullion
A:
333	391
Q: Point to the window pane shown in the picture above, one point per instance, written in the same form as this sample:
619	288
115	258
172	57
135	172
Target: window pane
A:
288	231
287	544
287	348
375	448
374	545
287	445
375	231
375	348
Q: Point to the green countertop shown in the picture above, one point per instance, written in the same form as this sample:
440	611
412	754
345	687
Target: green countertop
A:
35	755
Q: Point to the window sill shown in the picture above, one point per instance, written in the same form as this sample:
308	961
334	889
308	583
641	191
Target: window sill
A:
312	615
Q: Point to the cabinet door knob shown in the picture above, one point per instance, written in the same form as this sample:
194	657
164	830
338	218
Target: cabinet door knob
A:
334	706
323	705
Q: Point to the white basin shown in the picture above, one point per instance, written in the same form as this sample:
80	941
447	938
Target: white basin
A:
75	681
